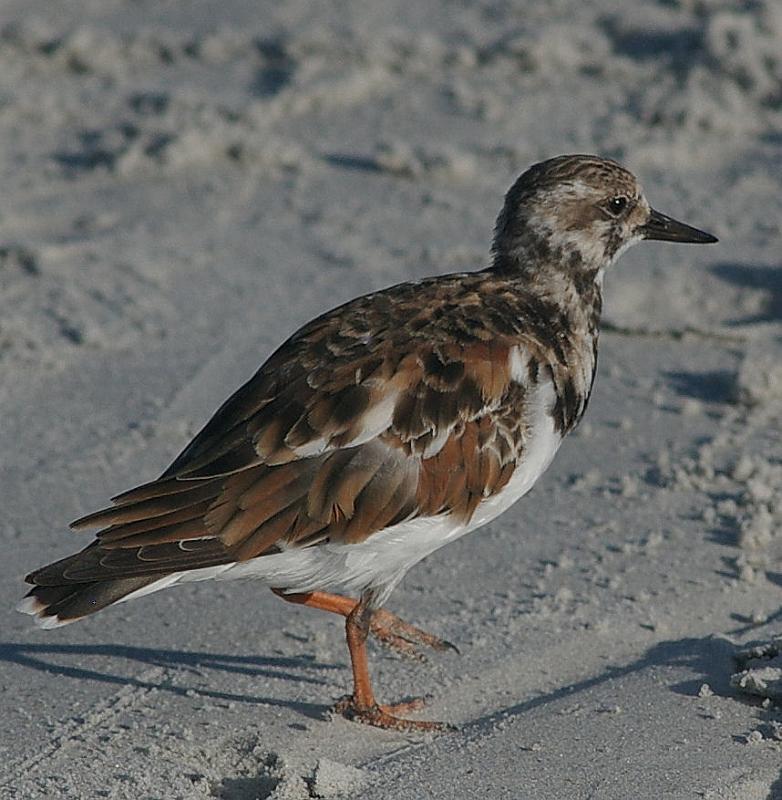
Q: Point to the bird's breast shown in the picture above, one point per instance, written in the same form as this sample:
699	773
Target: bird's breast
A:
532	425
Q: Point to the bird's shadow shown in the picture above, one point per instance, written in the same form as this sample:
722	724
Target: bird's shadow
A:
44	658
712	660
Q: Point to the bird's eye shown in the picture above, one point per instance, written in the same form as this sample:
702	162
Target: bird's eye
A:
616	205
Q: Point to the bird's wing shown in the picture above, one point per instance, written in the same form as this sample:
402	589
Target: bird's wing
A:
347	429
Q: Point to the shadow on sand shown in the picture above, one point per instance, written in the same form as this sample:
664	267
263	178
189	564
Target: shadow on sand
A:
712	660
754	276
45	658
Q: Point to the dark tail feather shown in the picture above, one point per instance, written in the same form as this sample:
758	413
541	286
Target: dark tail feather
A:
53	606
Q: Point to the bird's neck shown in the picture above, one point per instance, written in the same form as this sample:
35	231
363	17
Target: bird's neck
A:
557	279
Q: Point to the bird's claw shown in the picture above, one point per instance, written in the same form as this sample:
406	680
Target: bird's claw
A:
405	638
384	716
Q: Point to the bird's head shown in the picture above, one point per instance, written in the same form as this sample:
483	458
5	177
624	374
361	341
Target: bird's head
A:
579	213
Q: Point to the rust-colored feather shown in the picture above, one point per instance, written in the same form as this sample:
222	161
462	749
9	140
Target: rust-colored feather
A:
399	404
275	529
155	506
129	530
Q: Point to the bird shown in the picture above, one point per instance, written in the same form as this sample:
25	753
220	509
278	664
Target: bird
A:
383	430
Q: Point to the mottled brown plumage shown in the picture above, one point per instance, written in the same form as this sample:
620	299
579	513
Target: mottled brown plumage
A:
432	356
384	428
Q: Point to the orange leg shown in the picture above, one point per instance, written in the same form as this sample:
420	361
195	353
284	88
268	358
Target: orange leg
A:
386	627
361	705
335	603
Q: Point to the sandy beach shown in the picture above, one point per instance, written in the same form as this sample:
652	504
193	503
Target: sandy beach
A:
186	183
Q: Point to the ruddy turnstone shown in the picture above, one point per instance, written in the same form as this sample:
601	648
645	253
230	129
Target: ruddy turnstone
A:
384	429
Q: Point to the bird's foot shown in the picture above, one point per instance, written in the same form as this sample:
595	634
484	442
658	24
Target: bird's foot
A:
385	716
403	637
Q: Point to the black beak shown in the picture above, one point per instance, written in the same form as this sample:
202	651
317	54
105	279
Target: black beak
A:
666	229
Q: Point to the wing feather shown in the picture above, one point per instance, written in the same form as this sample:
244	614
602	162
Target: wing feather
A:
359	421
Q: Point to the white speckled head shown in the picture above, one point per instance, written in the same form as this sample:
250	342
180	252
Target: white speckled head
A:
578	213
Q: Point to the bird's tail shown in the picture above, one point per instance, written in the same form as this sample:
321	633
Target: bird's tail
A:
53	606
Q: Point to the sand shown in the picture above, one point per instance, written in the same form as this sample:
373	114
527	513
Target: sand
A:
183	184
